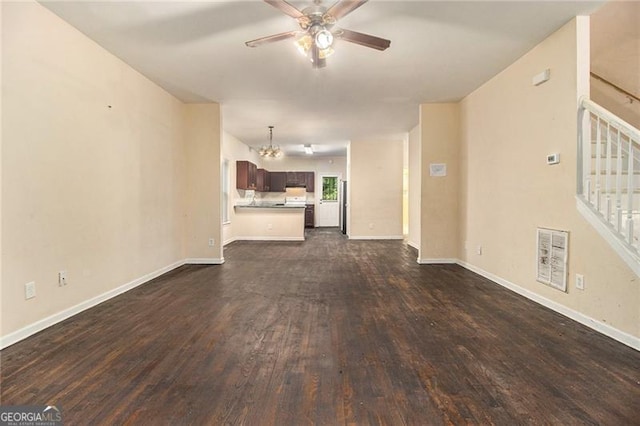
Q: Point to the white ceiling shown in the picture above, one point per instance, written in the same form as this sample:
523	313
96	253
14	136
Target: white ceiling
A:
440	51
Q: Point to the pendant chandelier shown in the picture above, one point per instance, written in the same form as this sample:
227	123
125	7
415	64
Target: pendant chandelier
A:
270	151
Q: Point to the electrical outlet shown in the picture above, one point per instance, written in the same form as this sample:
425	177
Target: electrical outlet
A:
62	278
211	242
30	290
371	226
580	281
269	226
479	250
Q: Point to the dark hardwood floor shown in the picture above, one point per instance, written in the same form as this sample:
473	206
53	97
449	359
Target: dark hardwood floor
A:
330	332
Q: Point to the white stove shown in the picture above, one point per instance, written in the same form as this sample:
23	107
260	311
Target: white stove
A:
295	197
295	201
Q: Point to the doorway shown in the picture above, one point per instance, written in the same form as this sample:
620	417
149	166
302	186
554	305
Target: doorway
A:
328	208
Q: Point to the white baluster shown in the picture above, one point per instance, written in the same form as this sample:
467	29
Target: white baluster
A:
598	161
607	178
587	188
630	194
619	219
619	184
587	158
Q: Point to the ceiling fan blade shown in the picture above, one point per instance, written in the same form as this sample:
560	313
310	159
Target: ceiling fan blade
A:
286	8
344	7
363	39
272	38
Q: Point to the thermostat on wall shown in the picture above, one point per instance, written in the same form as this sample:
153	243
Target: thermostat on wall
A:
437	169
553	159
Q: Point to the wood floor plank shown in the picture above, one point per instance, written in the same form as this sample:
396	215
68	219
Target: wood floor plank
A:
327	331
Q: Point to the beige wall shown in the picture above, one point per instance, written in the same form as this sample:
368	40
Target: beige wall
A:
439	218
508	127
615	43
235	150
615	56
94	173
415	178
375	189
203	139
616	102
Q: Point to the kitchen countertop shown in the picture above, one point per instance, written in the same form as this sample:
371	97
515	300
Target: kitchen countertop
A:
268	205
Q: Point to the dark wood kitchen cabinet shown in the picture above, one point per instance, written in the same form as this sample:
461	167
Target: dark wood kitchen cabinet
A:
263	180
301	180
310	181
309	216
246	175
278	181
298	179
281	180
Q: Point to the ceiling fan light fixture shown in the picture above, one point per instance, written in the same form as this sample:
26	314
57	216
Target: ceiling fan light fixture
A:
325	53
304	44
324	39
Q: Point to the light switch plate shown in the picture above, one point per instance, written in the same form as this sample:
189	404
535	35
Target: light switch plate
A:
30	290
580	281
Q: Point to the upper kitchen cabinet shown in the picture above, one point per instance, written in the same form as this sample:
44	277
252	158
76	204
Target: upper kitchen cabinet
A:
278	181
310	181
301	179
246	175
263	180
296	178
281	180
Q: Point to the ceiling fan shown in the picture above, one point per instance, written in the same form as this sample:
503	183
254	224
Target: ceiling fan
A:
318	31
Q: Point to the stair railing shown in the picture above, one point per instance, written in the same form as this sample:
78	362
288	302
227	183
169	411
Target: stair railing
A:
609	171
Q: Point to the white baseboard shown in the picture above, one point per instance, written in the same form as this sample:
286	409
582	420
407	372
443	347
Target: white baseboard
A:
414	245
204	261
436	261
232	239
269	238
40	325
229	241
606	329
378	237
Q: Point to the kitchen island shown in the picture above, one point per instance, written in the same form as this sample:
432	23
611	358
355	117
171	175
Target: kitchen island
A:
269	221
